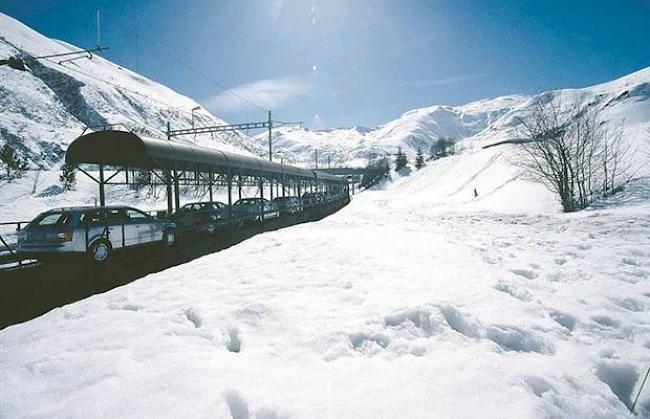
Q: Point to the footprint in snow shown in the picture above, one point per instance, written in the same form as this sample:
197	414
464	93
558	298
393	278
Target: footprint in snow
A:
606	321
630	261
528	274
234	342
193	316
513	291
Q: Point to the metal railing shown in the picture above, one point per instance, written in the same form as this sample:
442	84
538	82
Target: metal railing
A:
7	245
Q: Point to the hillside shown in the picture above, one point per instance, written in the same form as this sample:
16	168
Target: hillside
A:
625	101
50	104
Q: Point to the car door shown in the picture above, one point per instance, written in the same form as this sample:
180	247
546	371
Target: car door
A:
112	226
138	228
203	214
184	218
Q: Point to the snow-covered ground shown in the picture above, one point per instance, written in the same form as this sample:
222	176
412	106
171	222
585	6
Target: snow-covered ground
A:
417	300
414	301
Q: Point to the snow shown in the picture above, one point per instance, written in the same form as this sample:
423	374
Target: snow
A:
418	299
413	301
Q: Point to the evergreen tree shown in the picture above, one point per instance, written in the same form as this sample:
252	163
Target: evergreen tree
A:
419	160
442	147
68	177
400	160
375	171
11	163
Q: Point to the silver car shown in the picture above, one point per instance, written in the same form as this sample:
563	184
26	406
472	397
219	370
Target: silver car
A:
93	230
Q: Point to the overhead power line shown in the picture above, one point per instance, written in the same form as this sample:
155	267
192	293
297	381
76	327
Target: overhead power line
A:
167	56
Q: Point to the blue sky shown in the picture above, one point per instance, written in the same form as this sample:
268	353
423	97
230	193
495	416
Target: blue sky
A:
346	62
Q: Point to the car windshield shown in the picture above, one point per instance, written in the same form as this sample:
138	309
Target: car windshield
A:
57	218
247	202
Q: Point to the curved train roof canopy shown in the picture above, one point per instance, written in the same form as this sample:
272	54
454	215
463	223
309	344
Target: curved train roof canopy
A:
125	149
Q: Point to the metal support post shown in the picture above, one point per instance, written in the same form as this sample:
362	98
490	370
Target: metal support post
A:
102	196
262	199
168	182
229	179
177	193
210	180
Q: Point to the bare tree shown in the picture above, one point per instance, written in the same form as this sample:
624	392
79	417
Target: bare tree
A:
574	152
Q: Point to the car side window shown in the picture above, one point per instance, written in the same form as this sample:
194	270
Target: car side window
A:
115	215
55	218
93	217
135	215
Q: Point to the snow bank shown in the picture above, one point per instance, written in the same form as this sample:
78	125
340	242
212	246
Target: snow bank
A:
389	308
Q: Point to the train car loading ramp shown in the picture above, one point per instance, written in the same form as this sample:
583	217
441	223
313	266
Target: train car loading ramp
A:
173	163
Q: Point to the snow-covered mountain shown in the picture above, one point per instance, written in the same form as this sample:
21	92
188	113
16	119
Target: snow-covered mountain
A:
625	100
50	104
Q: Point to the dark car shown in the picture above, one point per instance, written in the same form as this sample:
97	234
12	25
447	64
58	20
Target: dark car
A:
250	209
200	216
311	199
287	205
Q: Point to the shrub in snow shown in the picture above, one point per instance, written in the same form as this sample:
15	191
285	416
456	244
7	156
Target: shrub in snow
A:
376	170
142	177
401	161
419	160
12	165
68	177
442	147
574	153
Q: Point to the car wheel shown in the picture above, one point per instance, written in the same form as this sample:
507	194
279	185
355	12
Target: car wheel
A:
100	251
169	238
211	229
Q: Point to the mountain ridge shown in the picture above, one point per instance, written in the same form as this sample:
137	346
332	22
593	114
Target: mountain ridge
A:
51	103
625	101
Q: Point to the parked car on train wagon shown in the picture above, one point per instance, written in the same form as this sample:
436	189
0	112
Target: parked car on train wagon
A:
97	231
250	209
287	205
202	217
311	199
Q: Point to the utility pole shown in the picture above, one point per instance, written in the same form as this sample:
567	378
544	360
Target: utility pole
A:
270	138
168	178
329	162
270	159
99	29
316	157
196	108
137	51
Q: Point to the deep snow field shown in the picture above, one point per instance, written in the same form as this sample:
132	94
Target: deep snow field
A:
417	300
